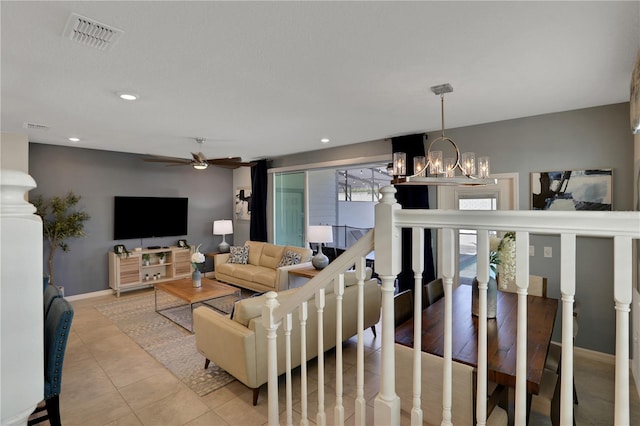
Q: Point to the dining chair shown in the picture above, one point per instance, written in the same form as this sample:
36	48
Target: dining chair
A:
57	326
554	355
537	286
433	292
402	307
463	383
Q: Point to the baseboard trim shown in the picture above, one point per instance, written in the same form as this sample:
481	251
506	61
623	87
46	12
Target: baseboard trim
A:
595	355
89	295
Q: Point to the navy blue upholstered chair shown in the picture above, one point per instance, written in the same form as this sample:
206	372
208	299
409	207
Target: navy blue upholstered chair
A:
57	326
50	292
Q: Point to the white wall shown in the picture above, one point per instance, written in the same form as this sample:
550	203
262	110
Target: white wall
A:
14	151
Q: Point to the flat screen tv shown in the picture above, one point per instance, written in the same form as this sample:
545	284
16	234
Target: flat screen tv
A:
147	217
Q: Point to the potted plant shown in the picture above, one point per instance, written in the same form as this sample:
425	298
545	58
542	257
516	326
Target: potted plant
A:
146	258
60	222
161	256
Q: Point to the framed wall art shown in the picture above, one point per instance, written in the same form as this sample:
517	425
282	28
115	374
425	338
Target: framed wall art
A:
243	203
572	190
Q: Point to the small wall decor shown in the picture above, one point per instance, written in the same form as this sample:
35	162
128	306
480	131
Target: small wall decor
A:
572	190
635	96
243	203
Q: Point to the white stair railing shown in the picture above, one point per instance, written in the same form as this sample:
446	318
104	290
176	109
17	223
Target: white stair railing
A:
622	227
275	314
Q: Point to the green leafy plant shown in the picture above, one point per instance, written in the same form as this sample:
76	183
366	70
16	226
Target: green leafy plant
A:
146	257
161	255
60	222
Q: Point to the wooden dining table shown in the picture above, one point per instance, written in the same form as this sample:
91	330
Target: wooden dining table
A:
501	335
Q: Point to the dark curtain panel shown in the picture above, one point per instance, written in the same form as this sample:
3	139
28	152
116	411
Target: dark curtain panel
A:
413	197
258	224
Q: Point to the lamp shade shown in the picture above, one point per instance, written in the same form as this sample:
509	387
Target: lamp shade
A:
320	234
222	227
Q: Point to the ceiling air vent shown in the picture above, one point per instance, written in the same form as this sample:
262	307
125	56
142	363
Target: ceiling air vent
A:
90	32
34	126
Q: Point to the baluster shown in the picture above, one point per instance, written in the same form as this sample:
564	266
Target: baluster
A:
360	406
448	271
522	282
272	353
321	417
417	262
287	348
622	261
483	278
304	421
338	289
568	290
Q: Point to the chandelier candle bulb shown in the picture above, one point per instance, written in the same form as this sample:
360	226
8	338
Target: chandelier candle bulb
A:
419	163
399	164
483	167
449	167
435	161
469	163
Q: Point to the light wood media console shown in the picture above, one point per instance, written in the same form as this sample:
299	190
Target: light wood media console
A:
129	272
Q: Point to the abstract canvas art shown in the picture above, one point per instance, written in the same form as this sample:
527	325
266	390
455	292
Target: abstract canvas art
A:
572	190
243	203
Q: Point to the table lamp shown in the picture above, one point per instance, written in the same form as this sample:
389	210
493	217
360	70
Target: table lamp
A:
320	234
223	227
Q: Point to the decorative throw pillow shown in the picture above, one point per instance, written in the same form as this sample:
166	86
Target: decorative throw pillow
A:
289	258
239	255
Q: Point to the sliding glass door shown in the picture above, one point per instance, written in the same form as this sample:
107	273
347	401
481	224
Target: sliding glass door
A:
289	208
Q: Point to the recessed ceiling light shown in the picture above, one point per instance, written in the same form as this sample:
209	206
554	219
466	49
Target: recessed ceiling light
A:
74	139
324	140
128	96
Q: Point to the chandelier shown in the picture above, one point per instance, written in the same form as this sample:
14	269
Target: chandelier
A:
442	171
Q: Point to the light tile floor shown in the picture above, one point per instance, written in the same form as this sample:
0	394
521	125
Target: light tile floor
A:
109	380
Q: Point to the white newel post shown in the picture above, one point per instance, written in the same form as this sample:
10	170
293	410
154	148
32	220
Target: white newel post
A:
388	252
360	407
338	289
288	323
272	353
321	417
304	420
21	287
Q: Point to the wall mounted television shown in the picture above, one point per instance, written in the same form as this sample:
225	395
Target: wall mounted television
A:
148	217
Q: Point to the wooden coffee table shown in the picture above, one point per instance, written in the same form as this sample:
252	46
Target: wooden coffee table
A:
183	289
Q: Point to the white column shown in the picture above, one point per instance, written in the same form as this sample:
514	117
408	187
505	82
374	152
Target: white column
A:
21	321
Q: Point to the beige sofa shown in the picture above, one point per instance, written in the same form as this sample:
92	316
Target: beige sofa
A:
239	345
261	272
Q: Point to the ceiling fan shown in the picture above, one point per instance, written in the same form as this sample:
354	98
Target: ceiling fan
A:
200	161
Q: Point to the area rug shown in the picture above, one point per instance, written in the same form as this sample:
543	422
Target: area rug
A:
170	344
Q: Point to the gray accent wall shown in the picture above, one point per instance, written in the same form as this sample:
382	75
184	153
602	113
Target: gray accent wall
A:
98	176
597	137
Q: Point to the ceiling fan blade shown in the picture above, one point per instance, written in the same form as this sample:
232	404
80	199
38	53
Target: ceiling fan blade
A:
229	163
170	160
199	157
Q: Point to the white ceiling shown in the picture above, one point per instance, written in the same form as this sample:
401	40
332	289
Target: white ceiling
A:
263	79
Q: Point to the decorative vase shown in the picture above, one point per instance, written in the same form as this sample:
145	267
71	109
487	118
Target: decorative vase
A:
492	297
196	278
